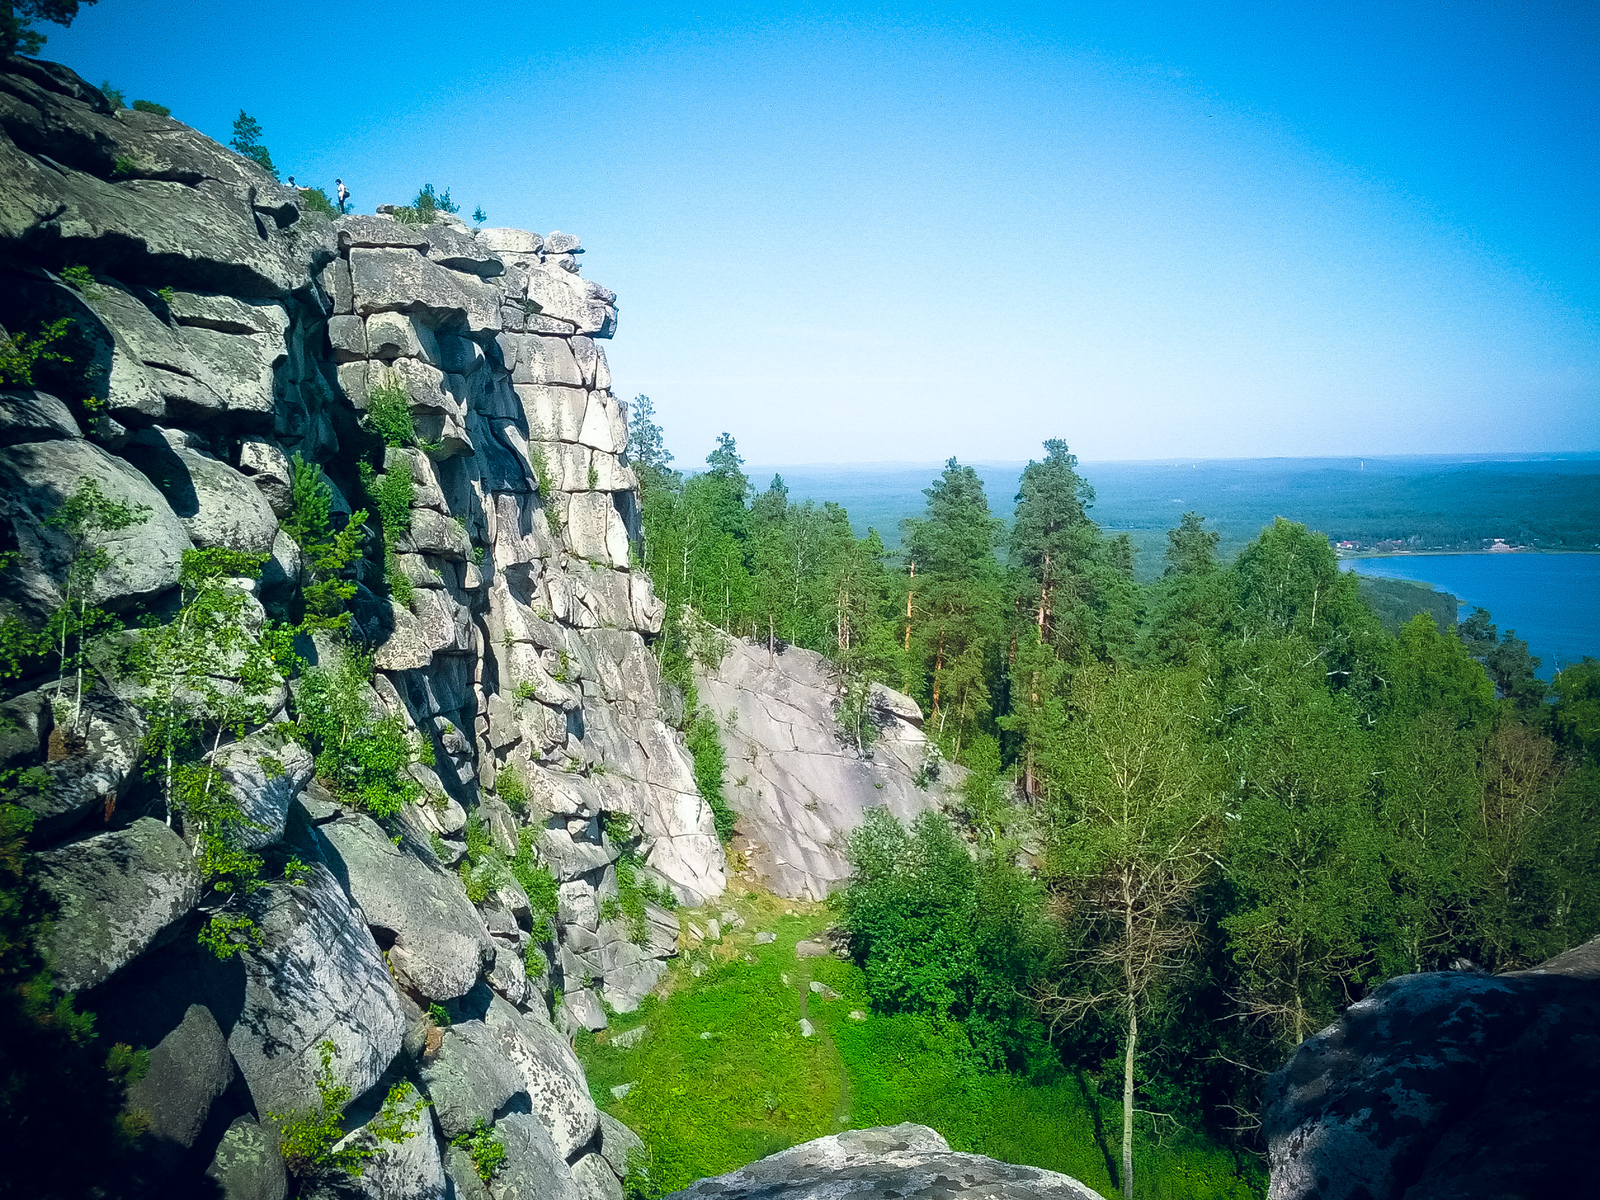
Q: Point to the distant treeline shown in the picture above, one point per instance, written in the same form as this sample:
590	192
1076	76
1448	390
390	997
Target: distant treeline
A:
1424	504
1198	818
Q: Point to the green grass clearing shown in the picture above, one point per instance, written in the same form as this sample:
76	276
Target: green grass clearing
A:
706	1105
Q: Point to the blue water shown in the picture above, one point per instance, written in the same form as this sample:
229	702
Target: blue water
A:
1551	600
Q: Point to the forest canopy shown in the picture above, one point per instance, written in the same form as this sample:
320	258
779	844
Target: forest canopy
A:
1201	816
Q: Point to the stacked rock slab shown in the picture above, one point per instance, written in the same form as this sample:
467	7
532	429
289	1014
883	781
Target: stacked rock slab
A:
801	786
224	329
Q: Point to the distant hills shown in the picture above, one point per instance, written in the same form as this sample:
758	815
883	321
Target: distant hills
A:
1417	503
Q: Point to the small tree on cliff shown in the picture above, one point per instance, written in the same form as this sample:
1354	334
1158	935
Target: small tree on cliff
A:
84	517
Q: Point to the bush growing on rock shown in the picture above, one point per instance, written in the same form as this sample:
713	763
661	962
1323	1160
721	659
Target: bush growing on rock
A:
150	106
331	552
362	755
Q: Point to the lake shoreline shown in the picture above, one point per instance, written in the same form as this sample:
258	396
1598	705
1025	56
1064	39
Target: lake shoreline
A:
1345	556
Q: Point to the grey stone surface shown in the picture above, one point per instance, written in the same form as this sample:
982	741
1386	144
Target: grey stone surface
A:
595	1180
553	1078
90	781
265	774
316	975
217	505
410	1169
469	1078
27	415
534	1169
247	1165
617	1141
189	1069
36	476
1444	1085
910	1161
806	787
440	946
114	894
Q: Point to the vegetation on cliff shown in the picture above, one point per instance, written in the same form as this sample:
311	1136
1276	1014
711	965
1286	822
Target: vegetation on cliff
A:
1208	814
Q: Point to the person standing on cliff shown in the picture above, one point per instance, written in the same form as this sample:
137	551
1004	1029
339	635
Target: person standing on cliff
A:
342	192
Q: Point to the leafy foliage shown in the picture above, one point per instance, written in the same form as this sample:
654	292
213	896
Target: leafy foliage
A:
330	552
19	33
389	412
20	352
151	107
310	1139
361	753
246	140
314	199
483	1146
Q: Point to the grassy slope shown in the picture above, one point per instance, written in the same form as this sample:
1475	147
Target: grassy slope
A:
706	1105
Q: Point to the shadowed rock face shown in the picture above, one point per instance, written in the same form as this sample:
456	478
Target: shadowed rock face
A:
1446	1085
909	1161
798	784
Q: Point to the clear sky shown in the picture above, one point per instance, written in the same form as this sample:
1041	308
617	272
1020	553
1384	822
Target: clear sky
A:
882	233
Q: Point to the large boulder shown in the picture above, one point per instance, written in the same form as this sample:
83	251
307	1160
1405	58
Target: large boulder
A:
247	1165
100	762
115	893
217	505
533	1169
188	1070
470	1078
804	786
437	942
896	1160
551	1073
142	560
409	1169
316	975
265	774
1444	1085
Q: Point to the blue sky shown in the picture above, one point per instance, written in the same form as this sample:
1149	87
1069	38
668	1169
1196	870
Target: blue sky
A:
890	233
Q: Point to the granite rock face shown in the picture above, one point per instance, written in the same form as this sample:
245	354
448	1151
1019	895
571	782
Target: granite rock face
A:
1444	1085
910	1161
220	331
805	785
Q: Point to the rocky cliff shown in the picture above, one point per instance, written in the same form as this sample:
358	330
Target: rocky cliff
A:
799	784
218	329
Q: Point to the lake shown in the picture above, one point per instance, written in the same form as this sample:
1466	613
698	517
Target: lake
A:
1551	600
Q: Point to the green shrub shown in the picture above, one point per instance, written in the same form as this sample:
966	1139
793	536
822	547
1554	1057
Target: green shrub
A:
479	216
389	412
20	353
114	96
309	1138
526	690
296	871
710	763
533	962
484	1147
509	786
314	199
361	755
535	879
438	1016
330	553
81	279
124	167
150	106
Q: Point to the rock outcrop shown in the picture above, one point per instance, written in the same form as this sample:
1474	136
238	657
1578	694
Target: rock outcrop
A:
799	783
1445	1085
911	1161
217	332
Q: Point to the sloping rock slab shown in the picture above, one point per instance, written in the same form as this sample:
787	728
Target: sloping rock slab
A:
533	1169
317	975
440	945
551	1072
116	893
1446	1084
909	1161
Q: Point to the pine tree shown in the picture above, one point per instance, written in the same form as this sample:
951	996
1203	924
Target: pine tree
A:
246	140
